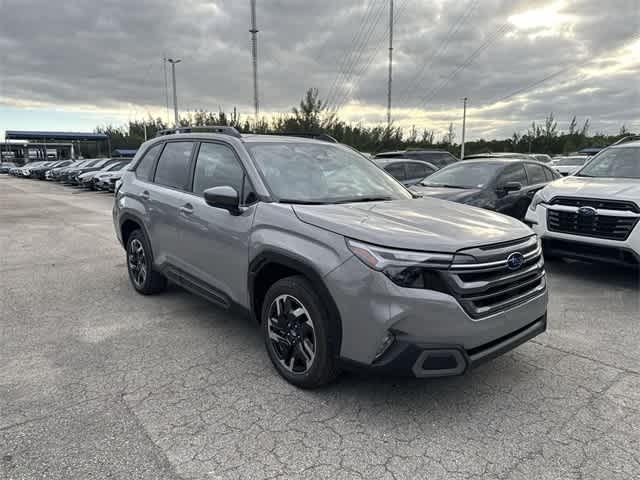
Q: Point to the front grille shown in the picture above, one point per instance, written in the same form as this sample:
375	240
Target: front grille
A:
600	226
488	286
619	205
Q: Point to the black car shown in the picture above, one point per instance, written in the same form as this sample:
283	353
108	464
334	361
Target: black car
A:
503	185
409	172
439	158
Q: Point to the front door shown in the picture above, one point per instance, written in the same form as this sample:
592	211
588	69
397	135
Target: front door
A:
215	241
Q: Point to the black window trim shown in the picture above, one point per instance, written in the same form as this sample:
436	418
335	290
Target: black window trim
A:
245	176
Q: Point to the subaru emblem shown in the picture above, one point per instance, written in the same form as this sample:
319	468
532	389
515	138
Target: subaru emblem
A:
515	261
587	211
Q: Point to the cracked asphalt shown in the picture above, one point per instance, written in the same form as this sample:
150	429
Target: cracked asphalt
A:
98	382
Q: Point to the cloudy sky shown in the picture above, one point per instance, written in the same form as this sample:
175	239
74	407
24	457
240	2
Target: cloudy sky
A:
80	63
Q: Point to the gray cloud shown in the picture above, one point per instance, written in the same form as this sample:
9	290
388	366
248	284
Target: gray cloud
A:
108	54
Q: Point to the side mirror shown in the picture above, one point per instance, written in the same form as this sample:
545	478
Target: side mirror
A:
223	197
510	187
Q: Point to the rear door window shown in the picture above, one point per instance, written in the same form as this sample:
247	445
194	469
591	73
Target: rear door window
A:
173	165
144	170
513	173
535	173
417	170
397	171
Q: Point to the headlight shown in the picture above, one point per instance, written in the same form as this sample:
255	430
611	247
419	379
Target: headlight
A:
405	268
537	200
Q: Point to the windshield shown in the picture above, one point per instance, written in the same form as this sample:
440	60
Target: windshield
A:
319	173
570	162
619	162
463	175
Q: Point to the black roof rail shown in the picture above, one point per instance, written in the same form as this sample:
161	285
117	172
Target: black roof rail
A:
628	138
223	129
315	136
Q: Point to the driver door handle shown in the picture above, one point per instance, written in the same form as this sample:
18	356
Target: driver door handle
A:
187	209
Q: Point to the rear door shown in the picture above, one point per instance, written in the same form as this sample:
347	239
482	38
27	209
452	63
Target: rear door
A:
165	196
215	242
513	203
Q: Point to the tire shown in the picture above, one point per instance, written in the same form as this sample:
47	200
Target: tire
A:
291	294
139	257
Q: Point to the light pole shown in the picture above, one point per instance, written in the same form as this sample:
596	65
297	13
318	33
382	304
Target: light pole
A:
464	126
173	62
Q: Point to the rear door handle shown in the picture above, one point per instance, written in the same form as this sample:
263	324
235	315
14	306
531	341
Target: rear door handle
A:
187	209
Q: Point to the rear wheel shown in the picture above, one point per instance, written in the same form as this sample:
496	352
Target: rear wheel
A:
140	265
299	333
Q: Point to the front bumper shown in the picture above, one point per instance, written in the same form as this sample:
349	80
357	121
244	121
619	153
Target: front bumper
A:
372	307
581	247
408	357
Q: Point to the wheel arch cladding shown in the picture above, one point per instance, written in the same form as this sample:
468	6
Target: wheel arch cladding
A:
128	225
269	267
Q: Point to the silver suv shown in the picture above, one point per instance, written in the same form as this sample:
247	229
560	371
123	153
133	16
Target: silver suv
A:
333	257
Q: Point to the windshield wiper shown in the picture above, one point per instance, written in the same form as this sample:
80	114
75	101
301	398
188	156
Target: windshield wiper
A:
364	199
442	185
297	201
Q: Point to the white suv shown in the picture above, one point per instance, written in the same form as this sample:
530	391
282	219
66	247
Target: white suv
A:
593	215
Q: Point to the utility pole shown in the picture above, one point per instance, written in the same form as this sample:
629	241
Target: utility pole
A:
464	126
144	124
166	84
390	66
173	62
254	57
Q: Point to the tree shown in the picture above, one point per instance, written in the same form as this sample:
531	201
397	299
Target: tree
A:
450	136
309	115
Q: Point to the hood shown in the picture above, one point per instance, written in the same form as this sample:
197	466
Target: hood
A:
453	194
603	188
425	224
87	175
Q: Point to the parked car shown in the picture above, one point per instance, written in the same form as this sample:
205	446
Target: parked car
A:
58	172
569	165
87	179
502	185
335	259
107	180
25	171
593	214
41	171
439	158
74	177
6	166
408	172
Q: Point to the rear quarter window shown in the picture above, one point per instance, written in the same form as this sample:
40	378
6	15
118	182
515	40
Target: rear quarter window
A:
144	170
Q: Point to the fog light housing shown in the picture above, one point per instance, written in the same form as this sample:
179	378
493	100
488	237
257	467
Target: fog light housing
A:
387	341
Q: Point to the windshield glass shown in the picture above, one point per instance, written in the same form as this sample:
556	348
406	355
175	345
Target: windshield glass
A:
463	175
319	173
619	162
570	162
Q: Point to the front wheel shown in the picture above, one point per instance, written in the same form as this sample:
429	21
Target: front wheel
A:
140	265
299	333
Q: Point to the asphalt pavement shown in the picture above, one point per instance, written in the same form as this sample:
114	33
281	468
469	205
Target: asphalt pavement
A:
99	382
